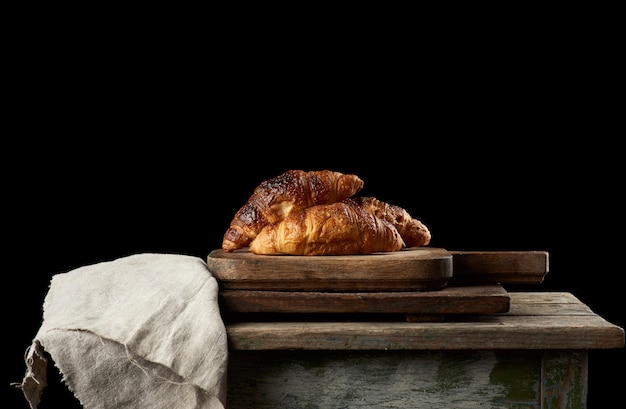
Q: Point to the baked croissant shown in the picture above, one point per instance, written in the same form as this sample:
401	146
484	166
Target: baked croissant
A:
274	199
332	229
413	232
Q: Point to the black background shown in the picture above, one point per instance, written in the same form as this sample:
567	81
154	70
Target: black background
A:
151	145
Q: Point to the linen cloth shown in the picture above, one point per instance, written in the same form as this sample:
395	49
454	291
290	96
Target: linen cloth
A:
142	331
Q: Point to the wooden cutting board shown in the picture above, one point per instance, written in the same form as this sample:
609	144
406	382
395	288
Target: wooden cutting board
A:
423	283
475	299
411	269
418	268
504	267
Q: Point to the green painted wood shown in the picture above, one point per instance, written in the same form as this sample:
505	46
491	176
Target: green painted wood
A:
564	379
496	379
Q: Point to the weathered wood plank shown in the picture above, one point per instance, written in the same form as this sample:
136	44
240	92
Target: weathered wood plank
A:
547	303
478	299
537	332
406	379
544	297
544	324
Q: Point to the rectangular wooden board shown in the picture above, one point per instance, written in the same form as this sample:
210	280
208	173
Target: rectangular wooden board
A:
504	267
475	299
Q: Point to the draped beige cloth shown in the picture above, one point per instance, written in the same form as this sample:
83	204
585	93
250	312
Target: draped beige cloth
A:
142	331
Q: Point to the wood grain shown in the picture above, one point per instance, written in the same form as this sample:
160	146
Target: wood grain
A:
478	299
535	321
417	268
412	269
505	267
407	379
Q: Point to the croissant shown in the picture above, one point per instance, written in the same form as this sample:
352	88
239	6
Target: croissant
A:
332	229
275	198
413	232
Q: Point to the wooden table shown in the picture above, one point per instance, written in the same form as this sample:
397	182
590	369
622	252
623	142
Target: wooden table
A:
533	356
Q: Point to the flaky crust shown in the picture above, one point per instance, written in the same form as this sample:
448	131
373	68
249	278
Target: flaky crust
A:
331	229
276	198
413	232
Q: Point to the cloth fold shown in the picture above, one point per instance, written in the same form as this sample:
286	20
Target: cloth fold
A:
142	331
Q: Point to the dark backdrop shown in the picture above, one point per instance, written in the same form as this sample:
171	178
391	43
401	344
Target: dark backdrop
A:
154	150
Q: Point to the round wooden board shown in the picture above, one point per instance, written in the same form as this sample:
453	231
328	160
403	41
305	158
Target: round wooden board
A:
410	269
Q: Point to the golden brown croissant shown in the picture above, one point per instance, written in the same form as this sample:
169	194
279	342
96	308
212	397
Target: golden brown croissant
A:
333	229
413	231
274	199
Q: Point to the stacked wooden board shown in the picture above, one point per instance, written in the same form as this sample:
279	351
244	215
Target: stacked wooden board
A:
423	283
